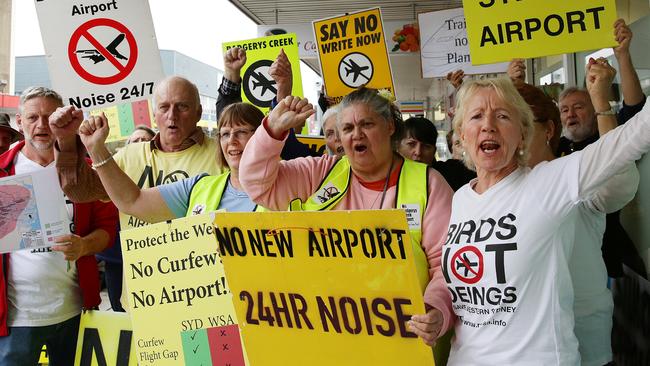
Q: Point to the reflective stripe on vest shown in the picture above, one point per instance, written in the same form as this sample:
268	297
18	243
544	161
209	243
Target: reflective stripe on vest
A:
412	196
206	194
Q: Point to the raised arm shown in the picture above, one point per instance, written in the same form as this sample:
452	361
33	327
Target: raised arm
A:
146	204
632	92
608	156
282	73
269	181
599	77
617	191
230	90
79	182
456	78
517	71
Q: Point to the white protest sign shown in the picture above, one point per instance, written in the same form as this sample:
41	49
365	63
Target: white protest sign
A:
445	47
100	53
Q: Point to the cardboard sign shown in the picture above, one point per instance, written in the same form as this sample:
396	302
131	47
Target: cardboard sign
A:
352	52
500	30
445	47
323	288
258	87
177	287
105	338
100	53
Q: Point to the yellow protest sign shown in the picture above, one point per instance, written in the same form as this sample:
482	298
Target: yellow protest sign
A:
105	338
500	30
316	144
352	52
323	288
258	87
180	304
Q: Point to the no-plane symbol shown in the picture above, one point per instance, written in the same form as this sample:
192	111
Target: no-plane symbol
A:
97	57
355	70
258	85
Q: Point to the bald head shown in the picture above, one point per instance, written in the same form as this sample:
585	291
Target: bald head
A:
177	111
179	83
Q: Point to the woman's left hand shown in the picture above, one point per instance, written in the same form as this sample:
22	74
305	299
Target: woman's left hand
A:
427	326
291	112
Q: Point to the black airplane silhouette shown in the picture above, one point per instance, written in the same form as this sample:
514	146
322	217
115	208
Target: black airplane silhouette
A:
261	80
97	57
356	69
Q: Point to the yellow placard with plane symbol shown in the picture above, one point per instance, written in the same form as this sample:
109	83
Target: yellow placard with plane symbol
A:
258	87
352	52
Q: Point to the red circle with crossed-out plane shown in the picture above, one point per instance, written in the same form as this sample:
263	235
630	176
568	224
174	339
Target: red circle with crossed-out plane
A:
469	261
123	70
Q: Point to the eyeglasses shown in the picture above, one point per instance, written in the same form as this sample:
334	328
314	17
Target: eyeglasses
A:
237	134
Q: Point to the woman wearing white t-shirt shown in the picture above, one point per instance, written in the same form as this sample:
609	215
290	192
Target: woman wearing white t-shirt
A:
506	255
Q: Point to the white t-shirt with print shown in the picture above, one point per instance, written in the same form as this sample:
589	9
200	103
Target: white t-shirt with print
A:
506	256
41	290
506	263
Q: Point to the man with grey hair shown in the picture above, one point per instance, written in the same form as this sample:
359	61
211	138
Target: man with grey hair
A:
577	112
42	295
180	149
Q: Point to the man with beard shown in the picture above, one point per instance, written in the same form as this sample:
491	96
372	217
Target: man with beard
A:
42	295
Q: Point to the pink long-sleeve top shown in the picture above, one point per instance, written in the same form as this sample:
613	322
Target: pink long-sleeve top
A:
273	183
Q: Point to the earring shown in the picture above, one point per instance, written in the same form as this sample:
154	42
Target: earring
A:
521	152
548	142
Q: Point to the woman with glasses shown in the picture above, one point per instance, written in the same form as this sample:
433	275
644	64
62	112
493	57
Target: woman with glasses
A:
192	196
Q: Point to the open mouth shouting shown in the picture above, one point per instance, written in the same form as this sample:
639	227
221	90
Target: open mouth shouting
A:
360	148
489	147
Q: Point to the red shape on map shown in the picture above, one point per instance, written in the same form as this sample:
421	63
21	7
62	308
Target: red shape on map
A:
140	111
13	200
225	346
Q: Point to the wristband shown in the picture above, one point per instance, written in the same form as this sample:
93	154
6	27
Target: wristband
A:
102	163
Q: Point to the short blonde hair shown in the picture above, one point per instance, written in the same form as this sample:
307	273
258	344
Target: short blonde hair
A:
508	94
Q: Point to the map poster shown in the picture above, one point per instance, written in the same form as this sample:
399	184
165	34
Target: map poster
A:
32	210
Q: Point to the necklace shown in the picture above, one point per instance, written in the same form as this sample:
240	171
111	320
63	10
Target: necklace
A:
383	192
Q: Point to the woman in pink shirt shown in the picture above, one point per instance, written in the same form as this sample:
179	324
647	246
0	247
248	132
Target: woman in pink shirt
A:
368	125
